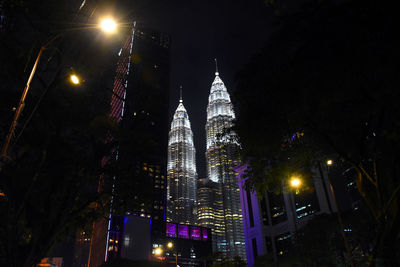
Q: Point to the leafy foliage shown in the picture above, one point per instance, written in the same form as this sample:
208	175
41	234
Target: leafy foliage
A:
51	177
328	74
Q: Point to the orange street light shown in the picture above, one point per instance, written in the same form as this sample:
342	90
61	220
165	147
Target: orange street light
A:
295	182
170	245
108	25
74	79
158	251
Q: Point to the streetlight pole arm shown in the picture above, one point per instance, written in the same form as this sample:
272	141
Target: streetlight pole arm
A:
21	103
108	26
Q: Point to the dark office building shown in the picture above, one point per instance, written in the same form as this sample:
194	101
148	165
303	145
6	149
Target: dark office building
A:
145	118
140	105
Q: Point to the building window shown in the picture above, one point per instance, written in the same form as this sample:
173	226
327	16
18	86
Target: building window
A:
306	204
204	234
183	231
195	233
277	208
171	229
250	208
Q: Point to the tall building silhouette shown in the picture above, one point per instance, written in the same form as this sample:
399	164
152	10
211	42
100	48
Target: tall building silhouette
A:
181	170
100	231
221	185
139	104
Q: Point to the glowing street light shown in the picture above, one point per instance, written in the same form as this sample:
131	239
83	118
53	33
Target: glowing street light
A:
295	182
108	25
74	79
170	245
158	251
329	162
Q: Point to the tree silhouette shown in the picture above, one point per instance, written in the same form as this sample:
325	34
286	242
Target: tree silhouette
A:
326	84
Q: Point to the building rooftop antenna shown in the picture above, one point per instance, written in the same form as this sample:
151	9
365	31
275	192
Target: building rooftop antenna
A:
216	67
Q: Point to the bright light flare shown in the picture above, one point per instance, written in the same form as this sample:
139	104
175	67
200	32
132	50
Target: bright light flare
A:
295	182
108	25
158	251
329	162
75	79
170	245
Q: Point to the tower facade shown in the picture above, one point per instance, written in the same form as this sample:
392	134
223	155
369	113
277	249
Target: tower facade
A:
222	157
139	104
181	170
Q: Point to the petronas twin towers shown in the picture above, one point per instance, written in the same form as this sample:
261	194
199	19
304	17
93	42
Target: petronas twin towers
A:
212	202
181	170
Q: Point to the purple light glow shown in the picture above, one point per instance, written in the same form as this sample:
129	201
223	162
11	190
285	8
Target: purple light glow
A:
205	236
195	233
183	231
171	229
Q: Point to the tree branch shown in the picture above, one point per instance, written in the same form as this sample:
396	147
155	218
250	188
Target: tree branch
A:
389	202
344	155
367	175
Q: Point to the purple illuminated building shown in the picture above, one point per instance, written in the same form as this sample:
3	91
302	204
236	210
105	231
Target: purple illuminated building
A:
191	245
270	222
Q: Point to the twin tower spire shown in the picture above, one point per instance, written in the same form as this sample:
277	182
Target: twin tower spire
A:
219	206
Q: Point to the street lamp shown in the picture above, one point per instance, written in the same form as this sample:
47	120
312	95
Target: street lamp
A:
108	25
171	245
74	79
329	162
158	251
295	182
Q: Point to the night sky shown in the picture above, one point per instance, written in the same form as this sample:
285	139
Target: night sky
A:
231	31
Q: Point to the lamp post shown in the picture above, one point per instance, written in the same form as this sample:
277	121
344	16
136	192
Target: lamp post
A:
158	251
107	25
295	182
171	245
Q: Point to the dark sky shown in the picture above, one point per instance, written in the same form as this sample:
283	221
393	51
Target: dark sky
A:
231	31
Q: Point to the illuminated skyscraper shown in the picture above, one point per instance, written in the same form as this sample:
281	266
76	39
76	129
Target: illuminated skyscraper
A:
181	170
221	156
